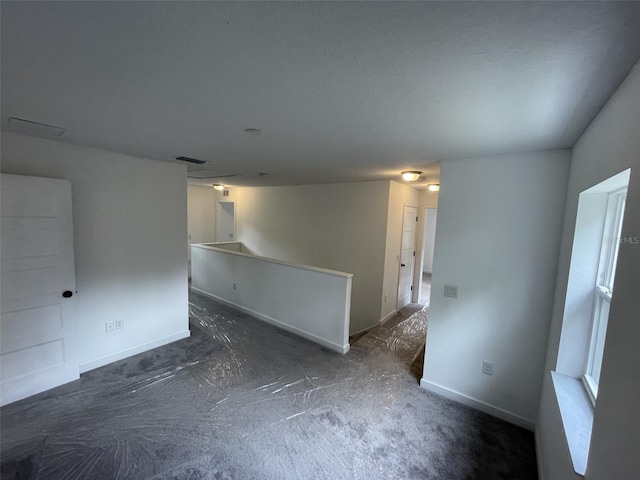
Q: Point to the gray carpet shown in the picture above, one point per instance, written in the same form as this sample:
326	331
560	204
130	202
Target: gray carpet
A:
241	399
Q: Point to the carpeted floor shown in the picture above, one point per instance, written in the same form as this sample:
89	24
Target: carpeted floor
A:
425	299
241	399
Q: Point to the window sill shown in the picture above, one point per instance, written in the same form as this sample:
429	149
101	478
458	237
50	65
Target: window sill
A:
577	418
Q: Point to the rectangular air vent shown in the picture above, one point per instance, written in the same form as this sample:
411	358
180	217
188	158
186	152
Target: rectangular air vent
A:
208	177
35	129
191	160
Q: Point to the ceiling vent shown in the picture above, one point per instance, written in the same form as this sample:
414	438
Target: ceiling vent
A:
205	176
191	160
36	129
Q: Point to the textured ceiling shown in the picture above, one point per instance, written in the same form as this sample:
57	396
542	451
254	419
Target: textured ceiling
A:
342	91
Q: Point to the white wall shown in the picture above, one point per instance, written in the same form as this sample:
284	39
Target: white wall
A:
233	247
428	199
610	144
399	196
201	208
430	218
201	217
498	235
226	221
130	223
310	302
338	226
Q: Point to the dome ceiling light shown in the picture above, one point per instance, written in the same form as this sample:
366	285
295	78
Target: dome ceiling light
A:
411	176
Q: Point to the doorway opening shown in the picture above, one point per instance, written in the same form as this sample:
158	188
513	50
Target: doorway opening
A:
226	222
430	216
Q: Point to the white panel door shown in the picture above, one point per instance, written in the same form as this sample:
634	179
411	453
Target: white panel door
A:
407	255
37	277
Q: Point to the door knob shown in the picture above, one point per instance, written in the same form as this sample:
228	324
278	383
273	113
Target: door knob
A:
67	294
402	265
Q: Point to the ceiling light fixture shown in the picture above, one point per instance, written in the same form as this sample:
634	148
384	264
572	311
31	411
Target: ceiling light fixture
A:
434	187
218	187
411	176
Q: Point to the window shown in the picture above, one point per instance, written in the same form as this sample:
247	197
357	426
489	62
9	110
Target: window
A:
604	289
594	253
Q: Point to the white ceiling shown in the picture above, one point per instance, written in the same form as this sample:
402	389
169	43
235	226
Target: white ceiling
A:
342	91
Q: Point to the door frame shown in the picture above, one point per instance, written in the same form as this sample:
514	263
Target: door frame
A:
413	257
420	249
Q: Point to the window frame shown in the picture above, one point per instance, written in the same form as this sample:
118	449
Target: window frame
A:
603	290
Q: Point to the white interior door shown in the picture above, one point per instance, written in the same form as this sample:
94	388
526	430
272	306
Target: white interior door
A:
37	277
407	255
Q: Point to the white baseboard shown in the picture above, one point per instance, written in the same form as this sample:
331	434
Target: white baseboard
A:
380	322
478	405
362	330
278	323
538	455
100	362
388	316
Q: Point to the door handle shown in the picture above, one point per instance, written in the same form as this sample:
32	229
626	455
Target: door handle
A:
67	294
402	265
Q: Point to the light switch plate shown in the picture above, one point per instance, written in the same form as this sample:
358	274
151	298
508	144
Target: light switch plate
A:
451	291
487	368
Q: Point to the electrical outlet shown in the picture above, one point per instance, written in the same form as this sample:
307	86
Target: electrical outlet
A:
487	368
451	291
234	285
109	326
120	324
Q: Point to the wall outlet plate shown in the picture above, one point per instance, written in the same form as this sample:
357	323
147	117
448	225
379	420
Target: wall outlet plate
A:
109	326
120	324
